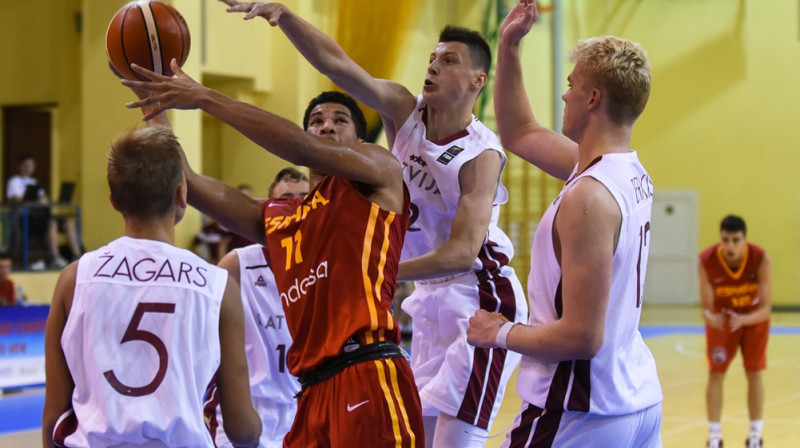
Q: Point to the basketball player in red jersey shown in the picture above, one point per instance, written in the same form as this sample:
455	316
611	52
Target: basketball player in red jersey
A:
735	289
335	256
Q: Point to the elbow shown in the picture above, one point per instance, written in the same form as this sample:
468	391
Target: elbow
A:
245	436
587	346
464	260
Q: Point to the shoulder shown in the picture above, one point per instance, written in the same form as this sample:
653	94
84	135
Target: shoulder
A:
708	252
65	288
589	199
757	253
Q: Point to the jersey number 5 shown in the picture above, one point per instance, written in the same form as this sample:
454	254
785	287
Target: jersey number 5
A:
134	334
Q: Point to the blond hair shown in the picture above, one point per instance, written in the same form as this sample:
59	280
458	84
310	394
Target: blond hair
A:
144	171
621	69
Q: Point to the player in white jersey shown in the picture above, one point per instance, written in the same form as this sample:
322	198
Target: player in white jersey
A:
587	378
448	371
460	261
267	337
139	329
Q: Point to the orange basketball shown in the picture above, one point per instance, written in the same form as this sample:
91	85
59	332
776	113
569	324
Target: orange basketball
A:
148	33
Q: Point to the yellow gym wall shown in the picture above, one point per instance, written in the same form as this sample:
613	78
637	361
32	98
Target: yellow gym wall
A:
721	119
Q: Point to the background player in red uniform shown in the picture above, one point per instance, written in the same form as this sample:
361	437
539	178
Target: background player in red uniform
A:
735	289
334	254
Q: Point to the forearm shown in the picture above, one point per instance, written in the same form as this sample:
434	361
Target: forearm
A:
228	206
554	342
448	259
760	314
520	132
272	132
512	109
319	49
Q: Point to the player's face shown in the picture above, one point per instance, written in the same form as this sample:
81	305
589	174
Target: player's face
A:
289	189
333	121
734	245
450	72
576	100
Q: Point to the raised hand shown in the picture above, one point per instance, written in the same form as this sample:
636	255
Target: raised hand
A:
518	22
177	92
271	11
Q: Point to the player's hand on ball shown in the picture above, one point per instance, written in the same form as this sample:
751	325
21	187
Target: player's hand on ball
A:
178	92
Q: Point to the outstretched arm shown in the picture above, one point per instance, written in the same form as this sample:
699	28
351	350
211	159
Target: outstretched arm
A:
360	162
228	206
391	100
519	131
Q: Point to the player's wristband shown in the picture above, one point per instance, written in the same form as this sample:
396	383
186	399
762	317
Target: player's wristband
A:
502	335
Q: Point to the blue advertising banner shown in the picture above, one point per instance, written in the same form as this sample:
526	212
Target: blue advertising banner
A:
22	345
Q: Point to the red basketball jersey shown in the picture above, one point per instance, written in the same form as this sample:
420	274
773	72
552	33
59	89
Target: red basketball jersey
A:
335	256
738	290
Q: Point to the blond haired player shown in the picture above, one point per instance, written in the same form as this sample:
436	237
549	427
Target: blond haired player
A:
586	378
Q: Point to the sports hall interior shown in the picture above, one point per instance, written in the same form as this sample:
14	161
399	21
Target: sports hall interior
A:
719	135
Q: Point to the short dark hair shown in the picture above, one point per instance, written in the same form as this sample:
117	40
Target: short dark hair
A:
733	223
144	172
345	100
291	174
479	49
287	174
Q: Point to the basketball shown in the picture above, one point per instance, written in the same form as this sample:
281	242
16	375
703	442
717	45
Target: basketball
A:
148	33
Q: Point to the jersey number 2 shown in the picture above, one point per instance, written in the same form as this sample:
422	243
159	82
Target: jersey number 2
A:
134	334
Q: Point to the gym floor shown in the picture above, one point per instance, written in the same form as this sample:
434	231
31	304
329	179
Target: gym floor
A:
674	335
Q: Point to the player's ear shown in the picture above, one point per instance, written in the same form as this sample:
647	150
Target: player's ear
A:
181	194
594	99
479	80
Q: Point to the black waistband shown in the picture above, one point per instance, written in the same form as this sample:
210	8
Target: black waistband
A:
371	352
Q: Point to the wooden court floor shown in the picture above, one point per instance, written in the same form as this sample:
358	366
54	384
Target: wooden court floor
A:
675	337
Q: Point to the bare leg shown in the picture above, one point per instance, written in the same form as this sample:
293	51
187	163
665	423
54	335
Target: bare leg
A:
72	238
755	395
714	396
52	238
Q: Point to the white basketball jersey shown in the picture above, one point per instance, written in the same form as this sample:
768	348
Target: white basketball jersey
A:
622	377
142	345
266	342
266	335
430	170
